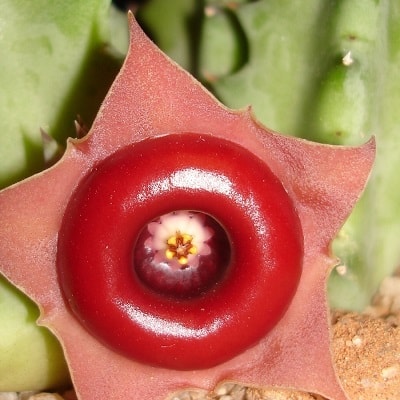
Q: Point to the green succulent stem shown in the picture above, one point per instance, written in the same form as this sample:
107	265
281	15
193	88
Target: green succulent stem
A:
327	72
368	243
55	67
30	356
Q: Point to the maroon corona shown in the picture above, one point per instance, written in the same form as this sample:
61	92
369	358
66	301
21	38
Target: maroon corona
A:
180	251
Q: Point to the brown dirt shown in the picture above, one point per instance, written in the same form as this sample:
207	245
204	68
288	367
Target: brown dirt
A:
366	349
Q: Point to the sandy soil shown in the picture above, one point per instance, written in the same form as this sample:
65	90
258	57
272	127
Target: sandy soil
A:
366	350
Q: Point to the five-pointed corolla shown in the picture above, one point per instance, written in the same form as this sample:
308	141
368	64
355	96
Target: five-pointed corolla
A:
181	235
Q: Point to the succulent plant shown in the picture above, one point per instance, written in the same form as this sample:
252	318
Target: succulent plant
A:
329	76
53	57
161	144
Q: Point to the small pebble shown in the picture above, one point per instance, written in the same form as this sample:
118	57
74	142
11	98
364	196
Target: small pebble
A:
390	372
8	396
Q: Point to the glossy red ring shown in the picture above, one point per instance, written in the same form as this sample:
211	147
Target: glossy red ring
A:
156	176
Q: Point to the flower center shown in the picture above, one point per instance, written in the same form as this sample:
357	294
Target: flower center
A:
180	238
180	246
182	253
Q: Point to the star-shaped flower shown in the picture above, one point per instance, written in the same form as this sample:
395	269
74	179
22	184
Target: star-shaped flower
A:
152	97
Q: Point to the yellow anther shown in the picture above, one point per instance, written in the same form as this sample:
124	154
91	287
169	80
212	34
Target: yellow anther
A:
193	250
182	260
180	246
187	238
170	254
172	241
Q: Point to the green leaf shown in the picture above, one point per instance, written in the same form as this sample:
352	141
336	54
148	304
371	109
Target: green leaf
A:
55	65
30	357
175	27
278	73
327	71
368	243
53	55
